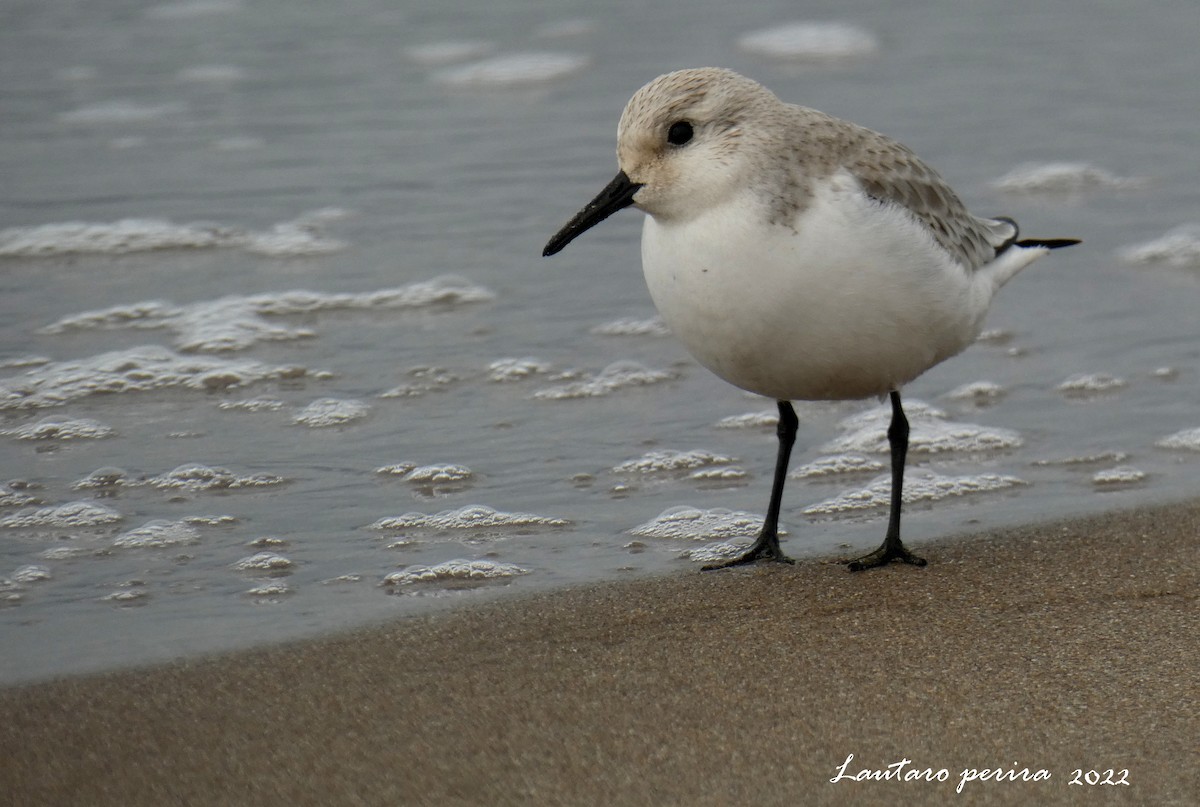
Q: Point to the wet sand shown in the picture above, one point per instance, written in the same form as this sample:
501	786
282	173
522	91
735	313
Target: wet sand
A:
1057	647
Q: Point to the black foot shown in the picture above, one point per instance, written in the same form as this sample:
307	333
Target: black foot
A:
890	551
759	551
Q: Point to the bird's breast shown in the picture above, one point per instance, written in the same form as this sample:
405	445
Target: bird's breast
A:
852	301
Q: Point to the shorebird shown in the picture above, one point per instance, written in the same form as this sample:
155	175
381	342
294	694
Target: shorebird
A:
801	257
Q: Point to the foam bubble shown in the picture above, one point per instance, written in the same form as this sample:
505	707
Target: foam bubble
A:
513	70
137	369
631	326
671	461
1187	439
61	429
694	524
443	474
1085	384
194	476
326	412
454	570
1083	459
837	465
750	420
1179	248
65	516
120	111
298	237
723	473
31	573
931	433
10	497
718	552
434	54
158	534
616	376
978	391
236	323
1062	177
424	380
1121	475
921	486
472	518
810	41
263	562
504	370
259	404
269	590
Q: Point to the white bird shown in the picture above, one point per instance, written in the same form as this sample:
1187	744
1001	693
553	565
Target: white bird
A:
801	257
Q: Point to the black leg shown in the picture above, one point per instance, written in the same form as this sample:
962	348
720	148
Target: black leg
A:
766	546
892	548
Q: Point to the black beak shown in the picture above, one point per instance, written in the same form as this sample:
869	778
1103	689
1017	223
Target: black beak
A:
618	194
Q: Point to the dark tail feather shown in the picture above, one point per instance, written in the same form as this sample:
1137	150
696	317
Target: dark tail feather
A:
1048	243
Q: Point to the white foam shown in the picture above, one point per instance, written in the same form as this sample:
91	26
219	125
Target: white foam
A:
1179	248
513	70
717	552
920	486
1084	459
120	111
1187	439
299	237
930	433
504	370
978	391
237	322
669	460
616	376
721	473
61	429
750	420
269	590
631	326
1084	384
694	524
454	570
194	476
1121	475
471	518
434	54
1062	177
810	41
65	516
326	412
837	465
442	474
158	534
255	405
106	477
137	369
31	573
10	497
424	380
263	562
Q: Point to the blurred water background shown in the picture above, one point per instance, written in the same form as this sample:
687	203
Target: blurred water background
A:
279	354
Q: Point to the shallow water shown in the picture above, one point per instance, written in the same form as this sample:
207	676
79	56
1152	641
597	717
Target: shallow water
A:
258	349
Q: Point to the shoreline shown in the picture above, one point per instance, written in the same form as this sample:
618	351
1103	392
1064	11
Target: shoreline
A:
1053	647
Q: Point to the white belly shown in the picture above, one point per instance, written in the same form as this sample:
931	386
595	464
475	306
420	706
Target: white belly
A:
857	301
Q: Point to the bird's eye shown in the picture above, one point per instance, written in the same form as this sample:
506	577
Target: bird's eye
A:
679	133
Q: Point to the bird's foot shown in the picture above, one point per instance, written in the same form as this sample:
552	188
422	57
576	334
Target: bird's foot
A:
763	549
890	550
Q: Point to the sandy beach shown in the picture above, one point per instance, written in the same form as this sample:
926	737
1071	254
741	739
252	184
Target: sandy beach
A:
1038	651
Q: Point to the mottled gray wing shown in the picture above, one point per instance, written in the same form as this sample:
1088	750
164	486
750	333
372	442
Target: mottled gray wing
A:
891	172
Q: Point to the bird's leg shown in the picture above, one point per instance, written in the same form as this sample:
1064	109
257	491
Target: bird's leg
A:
766	546
892	548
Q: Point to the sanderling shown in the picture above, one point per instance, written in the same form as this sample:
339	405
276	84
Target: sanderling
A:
801	257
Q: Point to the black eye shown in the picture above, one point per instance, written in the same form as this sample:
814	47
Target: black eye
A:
679	133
